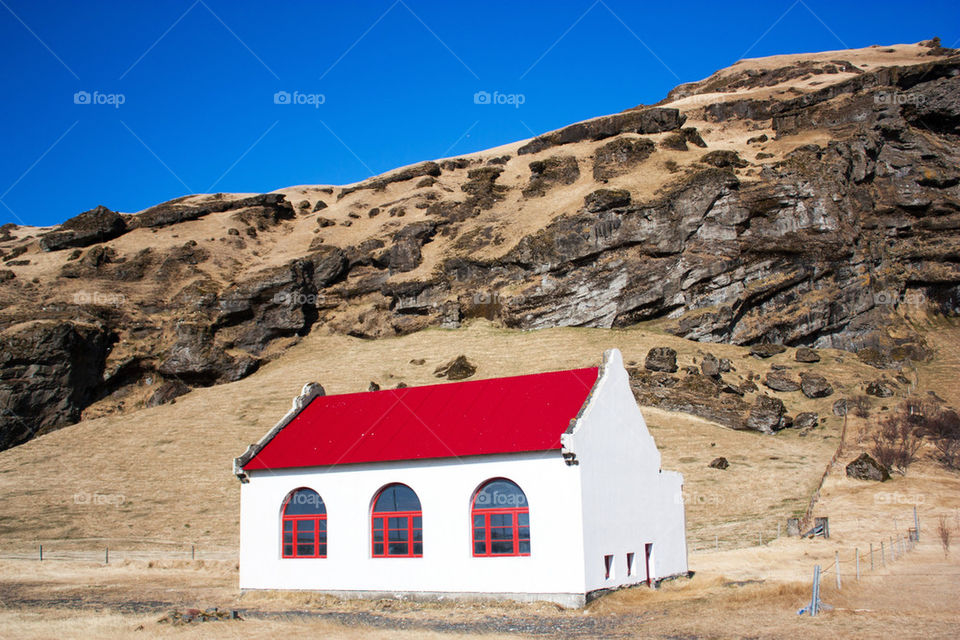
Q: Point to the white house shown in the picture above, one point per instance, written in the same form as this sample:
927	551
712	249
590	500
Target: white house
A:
536	487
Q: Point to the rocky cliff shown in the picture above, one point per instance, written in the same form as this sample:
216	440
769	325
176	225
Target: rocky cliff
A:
800	200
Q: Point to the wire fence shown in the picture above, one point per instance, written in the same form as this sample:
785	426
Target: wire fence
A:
106	550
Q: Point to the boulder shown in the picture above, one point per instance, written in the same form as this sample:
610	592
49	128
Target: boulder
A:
880	388
373	386
603	199
766	415
710	366
806	420
723	158
806	354
766	350
814	385
620	156
167	392
725	365
90	227
781	381
457	369
320	205
674	141
719	463
556	170
661	359
865	467
195	359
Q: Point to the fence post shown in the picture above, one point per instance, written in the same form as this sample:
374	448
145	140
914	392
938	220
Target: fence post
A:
716	542
836	566
871	556
856	552
815	592
41	553
106	555
916	523
760	536
192	552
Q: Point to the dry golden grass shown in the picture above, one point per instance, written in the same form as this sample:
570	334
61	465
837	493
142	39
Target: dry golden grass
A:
166	470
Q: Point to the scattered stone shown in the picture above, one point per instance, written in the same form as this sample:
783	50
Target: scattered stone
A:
304	205
233	232
457	369
806	420
321	205
866	468
710	365
806	354
325	222
748	386
693	136
815	385
766	350
766	415
758	139
723	158
781	381
719	463
373	386
374	212
661	359
880	388
418	361
725	365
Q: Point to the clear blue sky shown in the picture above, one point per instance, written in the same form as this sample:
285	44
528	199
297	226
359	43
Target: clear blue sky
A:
397	79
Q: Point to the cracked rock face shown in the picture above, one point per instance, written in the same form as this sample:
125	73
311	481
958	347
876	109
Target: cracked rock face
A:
816	249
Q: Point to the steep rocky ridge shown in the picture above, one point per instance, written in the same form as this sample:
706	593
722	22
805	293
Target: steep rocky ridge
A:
824	204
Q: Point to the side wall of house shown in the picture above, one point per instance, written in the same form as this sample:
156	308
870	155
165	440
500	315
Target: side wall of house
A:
554	570
628	502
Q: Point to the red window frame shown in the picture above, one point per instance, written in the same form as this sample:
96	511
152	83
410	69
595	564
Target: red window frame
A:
318	528
482	533
319	548
409	522
414	534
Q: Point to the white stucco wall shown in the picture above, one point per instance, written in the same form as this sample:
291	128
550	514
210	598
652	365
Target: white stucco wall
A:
445	488
627	501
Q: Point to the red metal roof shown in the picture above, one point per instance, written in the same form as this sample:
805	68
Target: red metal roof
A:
500	415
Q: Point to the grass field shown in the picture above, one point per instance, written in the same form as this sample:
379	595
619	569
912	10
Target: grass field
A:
163	474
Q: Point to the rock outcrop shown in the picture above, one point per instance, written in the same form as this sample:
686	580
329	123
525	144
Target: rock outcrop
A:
865	467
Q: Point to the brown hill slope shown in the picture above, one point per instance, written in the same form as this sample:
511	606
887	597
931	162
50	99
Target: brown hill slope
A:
796	200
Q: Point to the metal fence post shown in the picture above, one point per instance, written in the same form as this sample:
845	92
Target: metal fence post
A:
41	553
815	592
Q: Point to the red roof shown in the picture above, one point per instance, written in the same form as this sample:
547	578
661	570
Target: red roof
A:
500	415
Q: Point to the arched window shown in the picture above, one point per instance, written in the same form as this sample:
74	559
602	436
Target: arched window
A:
304	525
397	523
501	520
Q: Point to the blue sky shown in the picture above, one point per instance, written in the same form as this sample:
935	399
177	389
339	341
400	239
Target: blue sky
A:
128	104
